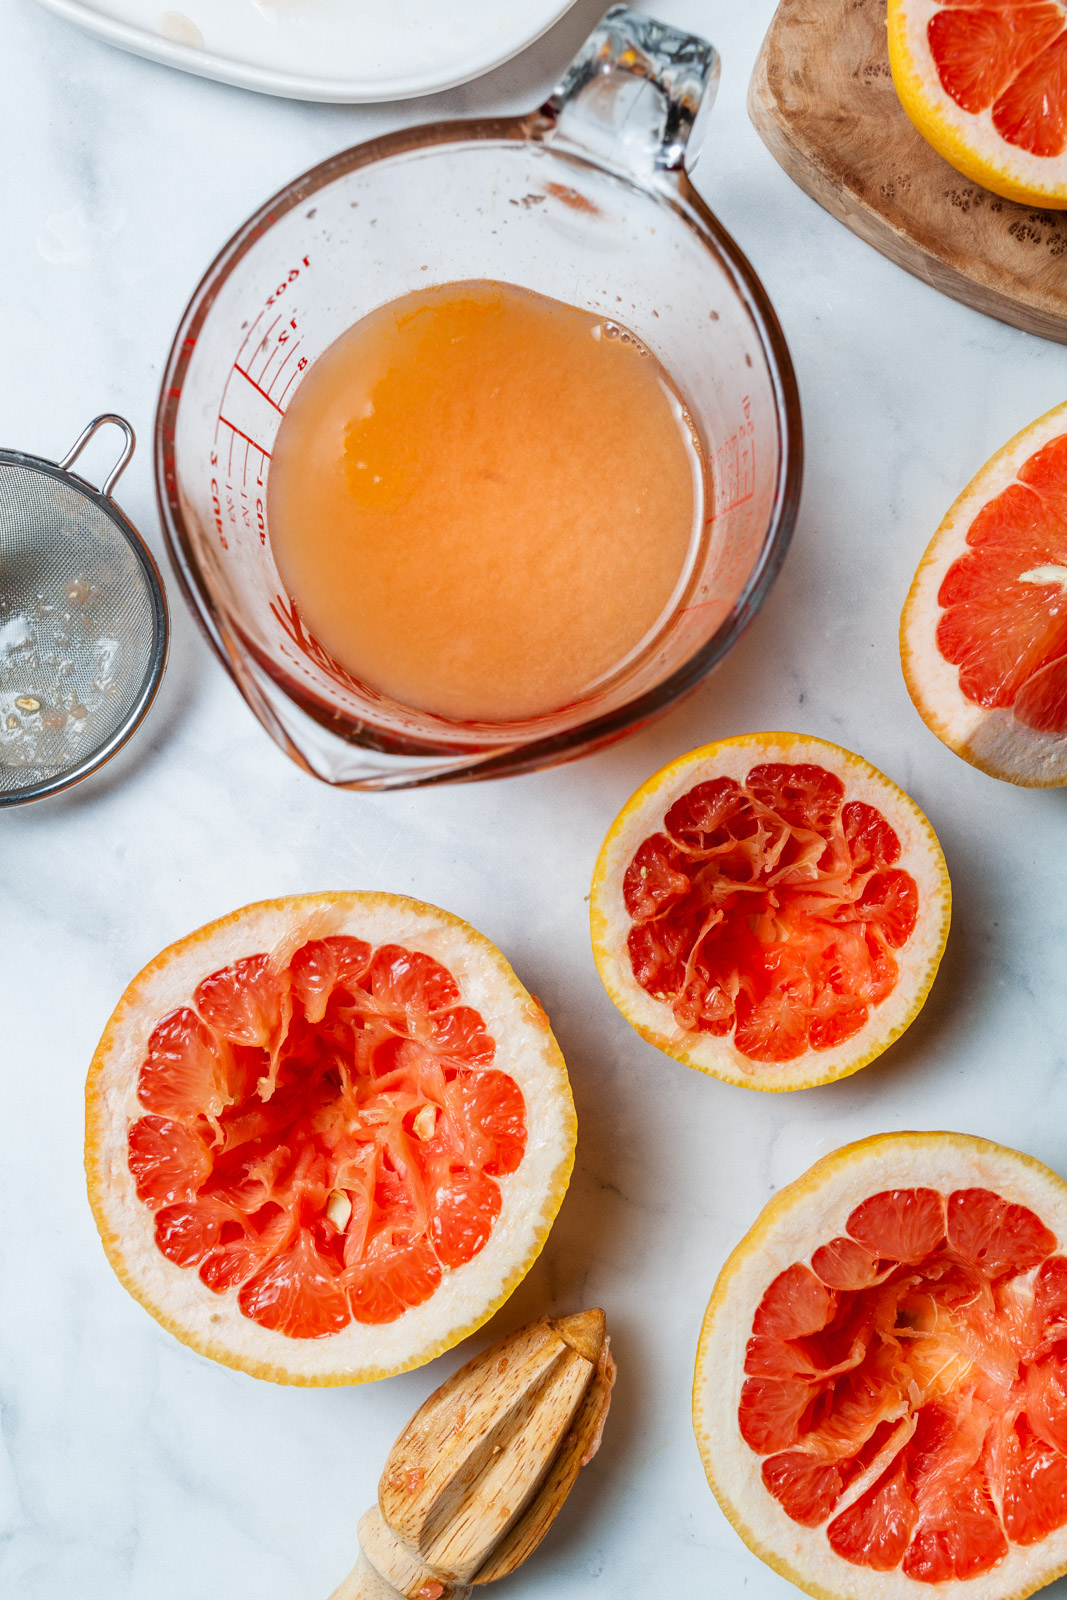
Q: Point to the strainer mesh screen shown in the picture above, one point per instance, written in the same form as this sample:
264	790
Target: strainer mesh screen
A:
76	627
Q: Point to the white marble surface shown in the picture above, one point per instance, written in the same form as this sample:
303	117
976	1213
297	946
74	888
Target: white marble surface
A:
131	1469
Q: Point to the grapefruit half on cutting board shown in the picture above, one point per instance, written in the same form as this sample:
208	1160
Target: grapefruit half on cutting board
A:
881	1381
770	909
985	83
326	1136
983	636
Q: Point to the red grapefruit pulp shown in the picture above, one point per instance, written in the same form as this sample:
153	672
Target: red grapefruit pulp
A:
985	83
333	1121
1004	601
924	1367
771	907
773	893
903	1388
1007	57
325	1137
984	629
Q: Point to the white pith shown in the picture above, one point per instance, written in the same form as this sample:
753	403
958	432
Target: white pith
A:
801	1217
531	1196
956	132
917	962
991	739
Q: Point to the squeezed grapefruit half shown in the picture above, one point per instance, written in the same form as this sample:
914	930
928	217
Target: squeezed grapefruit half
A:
771	910
881	1381
983	636
326	1136
985	83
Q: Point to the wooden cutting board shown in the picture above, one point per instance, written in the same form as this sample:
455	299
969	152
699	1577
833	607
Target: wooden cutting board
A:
823	101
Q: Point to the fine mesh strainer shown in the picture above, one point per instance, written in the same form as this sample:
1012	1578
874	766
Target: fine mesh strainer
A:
83	622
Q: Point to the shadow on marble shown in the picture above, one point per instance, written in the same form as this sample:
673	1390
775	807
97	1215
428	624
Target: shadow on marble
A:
189	664
947	1017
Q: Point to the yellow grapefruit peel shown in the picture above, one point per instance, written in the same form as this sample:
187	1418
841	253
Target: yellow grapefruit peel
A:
800	1217
174	1296
643	815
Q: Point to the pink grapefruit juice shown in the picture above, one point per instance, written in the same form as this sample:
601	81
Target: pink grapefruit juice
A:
485	503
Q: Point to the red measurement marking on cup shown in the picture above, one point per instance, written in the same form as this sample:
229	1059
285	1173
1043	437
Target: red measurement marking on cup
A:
735	466
735	485
288	281
248	414
238	433
244	342
275	351
253	398
264	340
258	387
286	340
297	370
216	501
292	624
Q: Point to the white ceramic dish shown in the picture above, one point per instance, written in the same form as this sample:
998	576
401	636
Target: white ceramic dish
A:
340	50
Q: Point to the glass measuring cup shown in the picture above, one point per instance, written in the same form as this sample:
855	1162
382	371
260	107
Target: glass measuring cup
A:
585	200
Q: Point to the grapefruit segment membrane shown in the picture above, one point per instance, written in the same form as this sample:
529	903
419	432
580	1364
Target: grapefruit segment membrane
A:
881	1382
770	909
984	630
985	83
326	1136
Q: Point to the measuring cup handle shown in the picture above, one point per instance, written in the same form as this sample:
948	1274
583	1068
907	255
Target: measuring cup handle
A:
83	439
631	95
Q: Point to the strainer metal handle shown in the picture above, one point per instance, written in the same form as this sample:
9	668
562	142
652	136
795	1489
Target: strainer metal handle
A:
83	439
83	620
